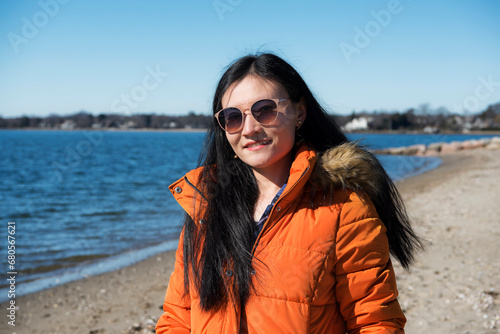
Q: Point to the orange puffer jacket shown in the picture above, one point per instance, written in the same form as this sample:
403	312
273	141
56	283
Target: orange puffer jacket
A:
325	269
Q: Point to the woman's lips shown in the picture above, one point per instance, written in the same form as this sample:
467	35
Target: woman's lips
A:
257	145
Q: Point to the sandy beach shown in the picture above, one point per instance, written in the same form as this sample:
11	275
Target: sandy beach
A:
454	286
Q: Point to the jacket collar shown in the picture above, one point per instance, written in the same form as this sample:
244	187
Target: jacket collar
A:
346	166
188	195
300	172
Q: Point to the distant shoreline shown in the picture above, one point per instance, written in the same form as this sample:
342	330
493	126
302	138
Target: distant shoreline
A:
487	132
111	130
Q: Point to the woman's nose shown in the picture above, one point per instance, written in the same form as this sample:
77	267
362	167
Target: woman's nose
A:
250	125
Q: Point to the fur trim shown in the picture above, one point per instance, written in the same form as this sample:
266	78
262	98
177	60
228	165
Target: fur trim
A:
349	166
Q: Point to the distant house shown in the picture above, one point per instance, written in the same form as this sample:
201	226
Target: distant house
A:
129	125
357	124
68	125
431	129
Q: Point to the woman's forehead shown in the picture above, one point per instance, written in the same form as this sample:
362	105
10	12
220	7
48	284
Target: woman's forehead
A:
250	89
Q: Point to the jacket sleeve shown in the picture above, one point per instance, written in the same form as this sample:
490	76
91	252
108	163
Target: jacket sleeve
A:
366	284
177	306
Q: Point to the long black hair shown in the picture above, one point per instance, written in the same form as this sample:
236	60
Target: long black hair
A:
217	253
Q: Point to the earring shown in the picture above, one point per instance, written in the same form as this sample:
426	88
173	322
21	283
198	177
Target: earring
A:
235	156
299	123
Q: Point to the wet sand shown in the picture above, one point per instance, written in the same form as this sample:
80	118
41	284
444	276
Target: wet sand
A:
454	286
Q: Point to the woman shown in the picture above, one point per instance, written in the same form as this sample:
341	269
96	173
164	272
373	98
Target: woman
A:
289	226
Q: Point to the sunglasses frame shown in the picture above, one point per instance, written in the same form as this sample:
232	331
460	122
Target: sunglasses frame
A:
277	101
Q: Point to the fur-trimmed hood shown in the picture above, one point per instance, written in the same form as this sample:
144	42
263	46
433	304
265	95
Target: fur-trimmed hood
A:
349	166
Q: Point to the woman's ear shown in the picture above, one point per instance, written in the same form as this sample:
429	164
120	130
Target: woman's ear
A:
301	106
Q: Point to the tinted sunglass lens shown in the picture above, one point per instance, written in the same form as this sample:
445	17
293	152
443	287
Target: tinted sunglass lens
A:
264	111
231	119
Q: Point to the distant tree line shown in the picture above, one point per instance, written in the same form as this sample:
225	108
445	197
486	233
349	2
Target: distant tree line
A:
85	120
426	119
415	119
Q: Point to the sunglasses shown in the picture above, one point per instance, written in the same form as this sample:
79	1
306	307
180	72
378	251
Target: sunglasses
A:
264	111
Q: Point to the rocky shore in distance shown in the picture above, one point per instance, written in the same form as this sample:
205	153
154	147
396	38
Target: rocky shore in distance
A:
437	148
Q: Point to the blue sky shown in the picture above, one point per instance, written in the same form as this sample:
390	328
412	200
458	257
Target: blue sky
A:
65	56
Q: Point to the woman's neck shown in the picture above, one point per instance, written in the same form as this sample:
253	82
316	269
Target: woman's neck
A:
269	182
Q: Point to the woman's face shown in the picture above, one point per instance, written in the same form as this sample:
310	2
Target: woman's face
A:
264	147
